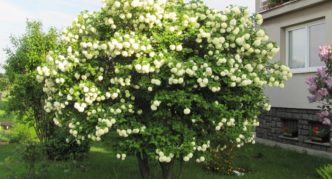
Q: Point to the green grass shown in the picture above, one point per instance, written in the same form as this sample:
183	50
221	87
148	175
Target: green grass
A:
262	161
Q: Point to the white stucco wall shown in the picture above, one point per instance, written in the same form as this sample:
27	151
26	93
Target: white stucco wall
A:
295	93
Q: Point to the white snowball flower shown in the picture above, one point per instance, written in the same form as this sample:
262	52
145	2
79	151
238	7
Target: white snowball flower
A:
153	107
178	47
186	111
172	47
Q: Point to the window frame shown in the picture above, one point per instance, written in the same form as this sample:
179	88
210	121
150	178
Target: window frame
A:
306	26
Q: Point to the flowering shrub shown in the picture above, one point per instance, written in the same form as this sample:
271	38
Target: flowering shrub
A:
163	77
320	85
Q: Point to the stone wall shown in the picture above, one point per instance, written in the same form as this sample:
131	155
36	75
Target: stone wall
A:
272	124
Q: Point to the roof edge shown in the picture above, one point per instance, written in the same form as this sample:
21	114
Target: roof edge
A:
289	7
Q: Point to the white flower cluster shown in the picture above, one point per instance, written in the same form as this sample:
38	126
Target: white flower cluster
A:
121	81
200	159
198	148
203	147
255	123
176	47
72	127
106	124
80	106
127	132
121	156
43	71
235	65
241	140
147	68
156	82
186	111
177	74
221	124
154	105
267	107
188	157
56	122
162	157
225	122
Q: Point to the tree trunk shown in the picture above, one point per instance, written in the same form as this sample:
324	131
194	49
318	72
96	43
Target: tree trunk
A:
42	123
166	169
181	168
143	165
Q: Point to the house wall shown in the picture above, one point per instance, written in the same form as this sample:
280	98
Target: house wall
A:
295	93
271	127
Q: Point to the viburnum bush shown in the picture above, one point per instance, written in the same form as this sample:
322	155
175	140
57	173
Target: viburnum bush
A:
320	85
163	78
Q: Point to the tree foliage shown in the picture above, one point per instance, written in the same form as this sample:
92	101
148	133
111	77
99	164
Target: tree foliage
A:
27	97
4	83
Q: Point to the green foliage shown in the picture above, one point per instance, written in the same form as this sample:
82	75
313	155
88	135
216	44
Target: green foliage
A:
33	155
58	149
24	161
4	84
4	136
5	113
11	161
220	159
325	172
22	133
27	96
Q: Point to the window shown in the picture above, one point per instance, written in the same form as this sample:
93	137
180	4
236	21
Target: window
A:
290	128
302	46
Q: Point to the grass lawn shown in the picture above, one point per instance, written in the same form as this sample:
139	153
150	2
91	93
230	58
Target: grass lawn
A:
262	161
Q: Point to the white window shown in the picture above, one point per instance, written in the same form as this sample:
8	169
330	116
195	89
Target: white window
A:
302	46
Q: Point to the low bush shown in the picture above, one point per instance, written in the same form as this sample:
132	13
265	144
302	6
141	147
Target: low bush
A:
325	172
22	133
4	136
33	155
221	159
59	148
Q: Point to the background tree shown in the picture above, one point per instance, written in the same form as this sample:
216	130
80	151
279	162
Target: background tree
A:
4	83
26	94
162	77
